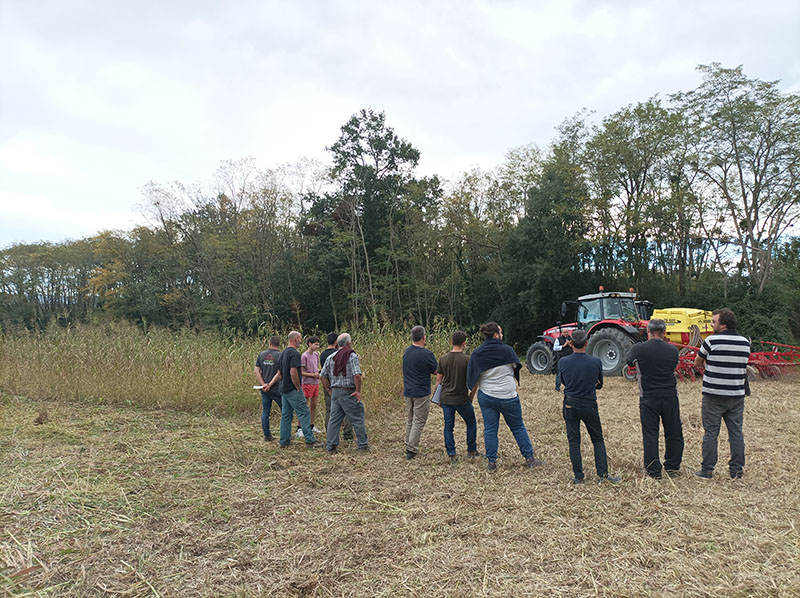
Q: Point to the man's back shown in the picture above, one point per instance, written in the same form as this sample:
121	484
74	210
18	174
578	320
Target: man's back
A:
453	367
726	354
289	360
267	362
655	361
418	365
580	374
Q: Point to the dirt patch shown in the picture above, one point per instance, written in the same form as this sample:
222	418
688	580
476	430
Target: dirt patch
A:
102	500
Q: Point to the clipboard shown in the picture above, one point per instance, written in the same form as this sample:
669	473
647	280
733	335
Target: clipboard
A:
436	399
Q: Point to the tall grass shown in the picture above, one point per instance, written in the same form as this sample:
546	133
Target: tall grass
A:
206	372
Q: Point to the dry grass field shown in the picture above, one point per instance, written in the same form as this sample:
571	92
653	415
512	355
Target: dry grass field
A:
104	500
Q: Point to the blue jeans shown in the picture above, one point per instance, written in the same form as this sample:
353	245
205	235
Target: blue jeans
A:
491	408
467	413
266	407
295	401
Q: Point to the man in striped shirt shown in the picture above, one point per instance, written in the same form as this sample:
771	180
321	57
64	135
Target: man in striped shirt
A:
724	355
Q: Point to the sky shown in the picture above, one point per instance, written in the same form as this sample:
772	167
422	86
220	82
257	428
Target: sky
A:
97	98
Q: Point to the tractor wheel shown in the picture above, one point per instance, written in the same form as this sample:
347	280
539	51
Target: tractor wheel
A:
610	346
539	358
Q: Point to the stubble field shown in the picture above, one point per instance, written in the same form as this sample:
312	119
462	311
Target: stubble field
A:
123	501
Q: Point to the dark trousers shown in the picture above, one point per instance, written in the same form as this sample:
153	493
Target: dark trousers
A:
715	409
267	398
586	412
653	410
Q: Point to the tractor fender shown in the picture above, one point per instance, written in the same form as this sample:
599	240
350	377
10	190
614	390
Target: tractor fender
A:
631	331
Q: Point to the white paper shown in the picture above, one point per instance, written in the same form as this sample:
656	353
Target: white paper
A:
256	388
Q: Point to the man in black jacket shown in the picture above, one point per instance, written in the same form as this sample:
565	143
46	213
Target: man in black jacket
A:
582	376
655	361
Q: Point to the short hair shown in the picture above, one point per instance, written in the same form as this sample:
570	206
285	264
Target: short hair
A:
459	338
417	334
343	339
579	339
293	335
275	341
726	317
489	329
312	340
332	336
657	325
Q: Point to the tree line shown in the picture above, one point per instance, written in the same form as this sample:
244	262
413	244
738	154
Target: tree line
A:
692	199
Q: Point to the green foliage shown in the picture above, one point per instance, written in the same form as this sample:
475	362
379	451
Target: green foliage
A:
691	200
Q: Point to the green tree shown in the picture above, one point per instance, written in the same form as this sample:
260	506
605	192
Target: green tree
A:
746	162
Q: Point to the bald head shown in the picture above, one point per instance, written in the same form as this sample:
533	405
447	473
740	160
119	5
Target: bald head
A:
295	338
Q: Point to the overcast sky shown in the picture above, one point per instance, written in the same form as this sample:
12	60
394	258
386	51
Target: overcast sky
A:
99	97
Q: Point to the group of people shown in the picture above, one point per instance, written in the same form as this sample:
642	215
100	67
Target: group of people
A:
491	372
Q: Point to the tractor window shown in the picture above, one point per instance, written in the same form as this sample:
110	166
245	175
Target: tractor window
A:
619	308
590	311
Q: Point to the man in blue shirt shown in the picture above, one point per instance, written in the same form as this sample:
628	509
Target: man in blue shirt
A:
419	364
582	375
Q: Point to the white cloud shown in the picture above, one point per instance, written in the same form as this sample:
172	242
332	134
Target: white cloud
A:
98	98
28	154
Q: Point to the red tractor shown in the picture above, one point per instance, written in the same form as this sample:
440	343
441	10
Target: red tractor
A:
614	322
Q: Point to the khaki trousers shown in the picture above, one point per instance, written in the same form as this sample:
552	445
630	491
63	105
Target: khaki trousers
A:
417	409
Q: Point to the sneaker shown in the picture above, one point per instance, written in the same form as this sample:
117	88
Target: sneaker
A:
613	479
706	475
269	438
492	466
453	458
473	454
313	445
654	476
316	430
363	449
410	455
737	475
533	462
299	433
673	473
285	446
334	450
577	481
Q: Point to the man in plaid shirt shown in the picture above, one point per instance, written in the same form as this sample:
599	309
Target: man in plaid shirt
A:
341	376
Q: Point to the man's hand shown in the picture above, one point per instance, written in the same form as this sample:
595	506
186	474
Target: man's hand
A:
265	387
357	395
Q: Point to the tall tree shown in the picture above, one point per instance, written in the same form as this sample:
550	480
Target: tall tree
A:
746	160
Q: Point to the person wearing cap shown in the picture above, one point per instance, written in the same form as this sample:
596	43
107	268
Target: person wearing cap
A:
582	375
655	361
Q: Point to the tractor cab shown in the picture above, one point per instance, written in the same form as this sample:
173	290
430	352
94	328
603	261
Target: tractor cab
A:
591	309
613	321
